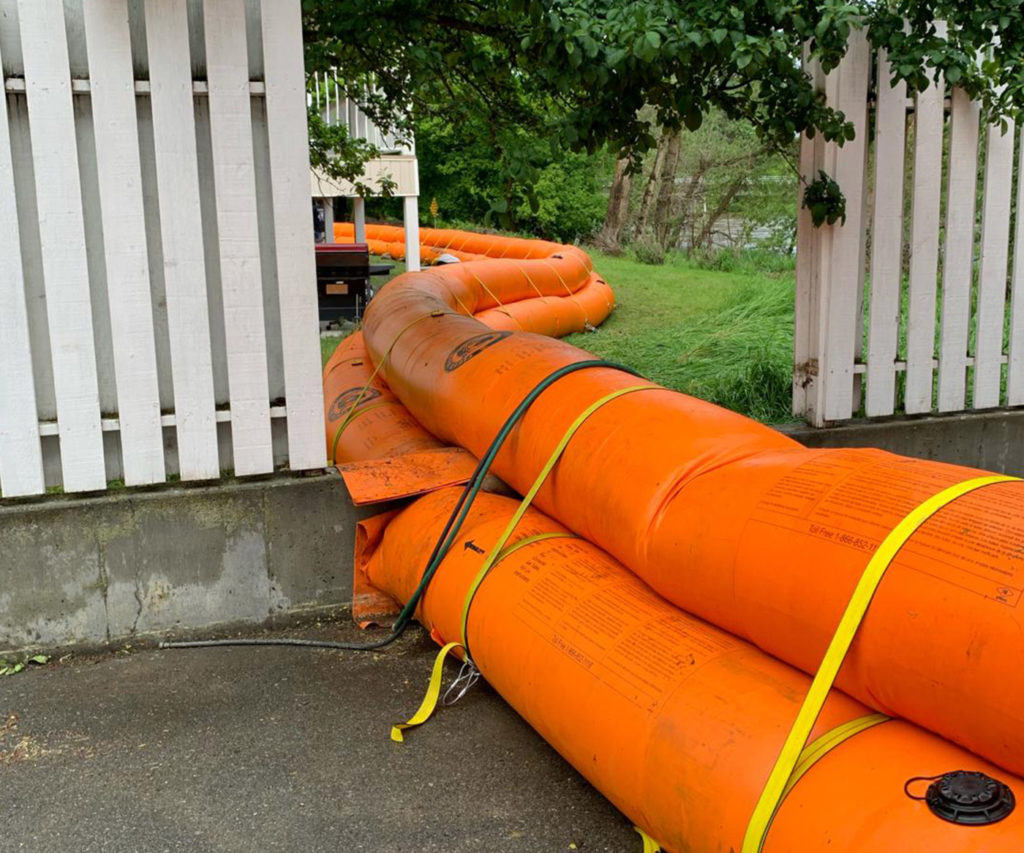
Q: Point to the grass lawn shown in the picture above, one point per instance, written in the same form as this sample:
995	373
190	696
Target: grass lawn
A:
725	335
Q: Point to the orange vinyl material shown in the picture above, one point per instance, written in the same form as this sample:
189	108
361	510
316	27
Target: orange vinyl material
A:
570	300
727	518
406	476
372	421
677	722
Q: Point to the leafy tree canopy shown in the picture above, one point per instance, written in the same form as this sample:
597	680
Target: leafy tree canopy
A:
579	71
599	61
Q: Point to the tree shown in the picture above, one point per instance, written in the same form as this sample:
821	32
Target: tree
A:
580	70
617	209
717	185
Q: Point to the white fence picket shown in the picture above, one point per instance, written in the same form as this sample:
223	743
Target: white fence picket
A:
1015	368
62	238
287	135
846	276
241	277
112	88
929	122
806	325
21	457
170	79
958	268
886	243
995	236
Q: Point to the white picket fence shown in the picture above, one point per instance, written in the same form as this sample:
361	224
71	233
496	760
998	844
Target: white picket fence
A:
157	299
877	333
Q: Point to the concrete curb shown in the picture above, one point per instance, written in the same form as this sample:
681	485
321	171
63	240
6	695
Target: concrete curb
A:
992	441
94	571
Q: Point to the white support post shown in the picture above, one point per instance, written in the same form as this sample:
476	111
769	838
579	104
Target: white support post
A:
411	220
359	218
328	207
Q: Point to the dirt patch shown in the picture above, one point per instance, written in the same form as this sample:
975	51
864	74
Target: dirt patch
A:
16	747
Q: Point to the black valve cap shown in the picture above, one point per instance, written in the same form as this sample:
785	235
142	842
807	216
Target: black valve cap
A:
971	798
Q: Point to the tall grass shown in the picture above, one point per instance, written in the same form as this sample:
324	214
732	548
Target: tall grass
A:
742	357
725	336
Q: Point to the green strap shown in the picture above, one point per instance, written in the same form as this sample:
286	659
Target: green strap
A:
496	551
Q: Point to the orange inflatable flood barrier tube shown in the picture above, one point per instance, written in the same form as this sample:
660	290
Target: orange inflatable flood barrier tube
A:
729	519
676	721
365	420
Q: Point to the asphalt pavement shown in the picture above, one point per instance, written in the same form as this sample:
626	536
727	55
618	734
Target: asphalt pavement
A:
279	749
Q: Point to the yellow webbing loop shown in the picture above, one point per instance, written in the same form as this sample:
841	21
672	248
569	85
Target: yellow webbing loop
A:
497	554
793	748
351	413
821	746
556	454
650	845
429	702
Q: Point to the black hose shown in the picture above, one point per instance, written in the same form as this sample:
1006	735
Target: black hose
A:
444	541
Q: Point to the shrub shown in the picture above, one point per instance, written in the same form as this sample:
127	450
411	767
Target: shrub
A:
648	250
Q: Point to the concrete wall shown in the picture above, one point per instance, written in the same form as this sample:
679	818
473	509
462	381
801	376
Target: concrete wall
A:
993	440
91	571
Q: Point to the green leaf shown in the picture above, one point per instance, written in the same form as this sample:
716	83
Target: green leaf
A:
39	659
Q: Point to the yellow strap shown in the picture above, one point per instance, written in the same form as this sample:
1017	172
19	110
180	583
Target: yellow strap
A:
650	845
821	746
496	551
529	540
792	750
429	702
370	408
816	750
443	281
530	280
